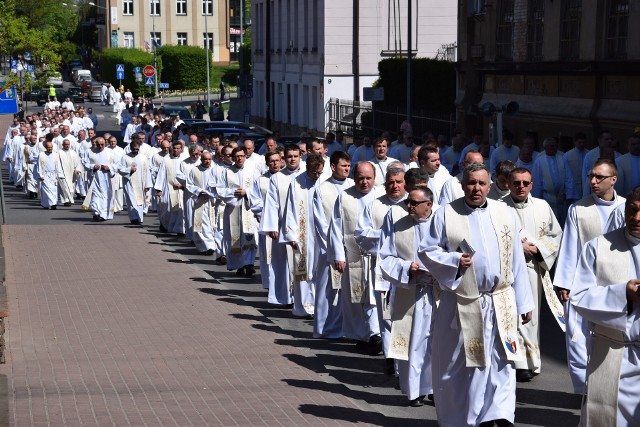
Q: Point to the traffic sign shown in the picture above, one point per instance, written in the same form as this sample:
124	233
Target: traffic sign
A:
8	99
27	56
119	75
31	68
150	81
119	67
163	85
137	70
149	71
14	64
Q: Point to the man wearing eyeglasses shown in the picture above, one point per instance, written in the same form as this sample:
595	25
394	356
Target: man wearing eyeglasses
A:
473	250
586	220
606	292
540	236
604	150
298	230
412	290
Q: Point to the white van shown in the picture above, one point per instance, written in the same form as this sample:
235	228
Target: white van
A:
80	74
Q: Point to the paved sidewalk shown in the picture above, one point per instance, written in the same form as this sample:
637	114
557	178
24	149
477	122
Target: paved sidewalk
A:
107	327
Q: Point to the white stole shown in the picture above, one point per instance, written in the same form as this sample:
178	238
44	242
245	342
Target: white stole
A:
469	304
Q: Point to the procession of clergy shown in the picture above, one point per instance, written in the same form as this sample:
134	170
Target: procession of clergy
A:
382	245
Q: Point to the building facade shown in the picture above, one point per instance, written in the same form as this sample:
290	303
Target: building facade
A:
138	23
571	65
306	52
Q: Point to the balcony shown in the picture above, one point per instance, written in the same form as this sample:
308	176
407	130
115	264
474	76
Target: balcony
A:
234	21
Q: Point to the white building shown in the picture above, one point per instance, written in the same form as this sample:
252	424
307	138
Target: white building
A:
303	50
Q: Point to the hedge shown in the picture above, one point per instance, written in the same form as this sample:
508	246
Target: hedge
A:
434	83
131	58
186	66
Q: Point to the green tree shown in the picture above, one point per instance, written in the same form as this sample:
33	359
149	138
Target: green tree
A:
17	37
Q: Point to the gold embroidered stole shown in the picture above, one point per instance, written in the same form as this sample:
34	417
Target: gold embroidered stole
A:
137	179
548	246
263	184
329	195
468	297
607	344
175	199
301	255
351	249
198	207
404	301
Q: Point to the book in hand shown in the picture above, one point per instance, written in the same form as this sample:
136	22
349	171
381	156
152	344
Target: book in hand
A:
466	248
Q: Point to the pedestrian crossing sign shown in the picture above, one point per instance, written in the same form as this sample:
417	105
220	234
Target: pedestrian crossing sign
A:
149	81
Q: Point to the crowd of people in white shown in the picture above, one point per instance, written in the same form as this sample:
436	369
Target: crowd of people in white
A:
436	256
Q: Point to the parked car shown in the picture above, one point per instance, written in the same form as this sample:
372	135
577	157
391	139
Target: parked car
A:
31	95
201	126
43	96
177	110
95	93
55	79
76	95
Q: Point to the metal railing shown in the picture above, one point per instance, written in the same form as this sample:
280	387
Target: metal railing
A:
365	118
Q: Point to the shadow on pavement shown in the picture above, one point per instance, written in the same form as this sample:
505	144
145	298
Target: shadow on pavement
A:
360	416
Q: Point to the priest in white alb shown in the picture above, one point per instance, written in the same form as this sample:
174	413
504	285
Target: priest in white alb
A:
100	169
299	230
473	250
71	169
199	183
413	297
47	171
606	293
136	180
540	235
327	319
169	191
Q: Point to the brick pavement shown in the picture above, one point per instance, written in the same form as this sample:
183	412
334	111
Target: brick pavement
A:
106	327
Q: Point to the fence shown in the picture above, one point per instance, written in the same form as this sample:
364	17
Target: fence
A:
363	117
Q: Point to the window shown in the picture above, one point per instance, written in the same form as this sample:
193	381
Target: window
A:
127	7
129	40
208	41
617	28
181	7
315	14
535	29
156	39
504	31
154	7
570	17
182	39
207	7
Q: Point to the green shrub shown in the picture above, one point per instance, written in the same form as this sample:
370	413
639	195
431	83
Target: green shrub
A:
131	58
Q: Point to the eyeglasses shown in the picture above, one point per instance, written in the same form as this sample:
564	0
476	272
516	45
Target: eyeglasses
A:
599	178
414	202
521	183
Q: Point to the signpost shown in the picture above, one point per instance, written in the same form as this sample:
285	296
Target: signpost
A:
8	99
149	71
120	72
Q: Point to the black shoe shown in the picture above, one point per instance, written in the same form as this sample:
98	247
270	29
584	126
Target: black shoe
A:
222	260
504	423
54	207
67	204
208	252
523	375
135	221
487	424
240	271
417	402
100	219
249	271
389	367
430	397
96	217
162	229
375	345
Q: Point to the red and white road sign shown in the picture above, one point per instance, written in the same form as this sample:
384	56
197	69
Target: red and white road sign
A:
149	71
